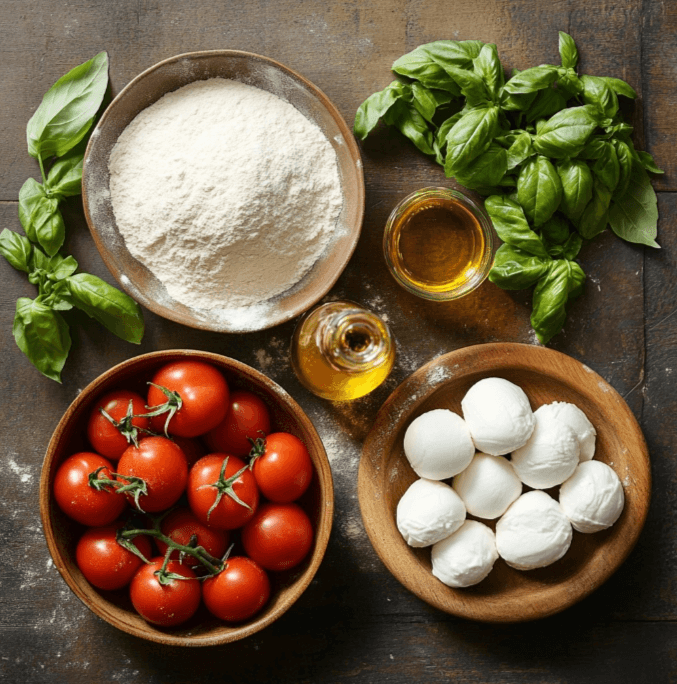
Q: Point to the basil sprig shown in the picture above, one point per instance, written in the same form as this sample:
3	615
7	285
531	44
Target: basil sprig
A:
548	146
56	136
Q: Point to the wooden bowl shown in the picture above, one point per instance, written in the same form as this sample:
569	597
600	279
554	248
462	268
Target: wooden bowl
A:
62	533
506	595
263	73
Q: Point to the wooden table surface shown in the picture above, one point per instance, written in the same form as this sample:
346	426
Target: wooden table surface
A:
355	623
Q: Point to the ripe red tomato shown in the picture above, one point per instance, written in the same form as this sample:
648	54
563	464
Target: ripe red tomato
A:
104	437
169	604
228	514
239	591
284	471
192	449
279	536
247	417
180	525
204	397
105	563
162	465
77	499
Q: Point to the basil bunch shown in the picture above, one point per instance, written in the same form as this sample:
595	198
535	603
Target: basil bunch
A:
56	133
548	146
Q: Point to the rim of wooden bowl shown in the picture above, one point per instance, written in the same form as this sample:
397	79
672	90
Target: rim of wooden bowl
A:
134	277
56	526
507	595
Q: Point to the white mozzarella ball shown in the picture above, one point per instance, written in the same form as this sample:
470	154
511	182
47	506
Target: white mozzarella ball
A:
428	512
498	414
534	532
466	557
571	415
488	486
550	456
592	498
437	444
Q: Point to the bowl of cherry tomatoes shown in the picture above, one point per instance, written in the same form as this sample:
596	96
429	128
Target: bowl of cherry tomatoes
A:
186	498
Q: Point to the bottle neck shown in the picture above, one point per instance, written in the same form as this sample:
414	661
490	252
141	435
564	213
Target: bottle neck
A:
354	340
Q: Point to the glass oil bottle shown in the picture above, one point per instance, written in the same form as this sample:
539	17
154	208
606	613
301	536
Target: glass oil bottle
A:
341	351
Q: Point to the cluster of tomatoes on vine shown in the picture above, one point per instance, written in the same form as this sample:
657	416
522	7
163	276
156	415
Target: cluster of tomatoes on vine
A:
168	490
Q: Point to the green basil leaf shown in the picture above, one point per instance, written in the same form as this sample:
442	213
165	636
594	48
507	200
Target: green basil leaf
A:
65	176
547	103
39	261
113	309
555	230
567	50
49	226
568	83
572	246
593	148
42	335
577	186
517	103
563	280
515	269
634	215
16	249
486	169
648	162
29	197
470	136
520	150
511	225
598	93
471	84
531	80
539	190
411	124
458	53
619	87
619	131
68	109
488	67
624	155
62	267
443	131
419	65
377	106
565	134
423	101
607	167
596	214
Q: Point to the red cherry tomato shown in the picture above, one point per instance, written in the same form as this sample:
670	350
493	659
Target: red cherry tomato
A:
247	417
105	563
104	437
204	397
284	471
279	536
180	525
239	591
77	499
192	449
162	465
169	604
228	513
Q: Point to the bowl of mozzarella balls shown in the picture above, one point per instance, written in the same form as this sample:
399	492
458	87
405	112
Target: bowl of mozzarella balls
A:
504	482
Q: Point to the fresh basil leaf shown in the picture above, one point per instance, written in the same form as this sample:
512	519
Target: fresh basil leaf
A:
517	103
443	131
515	269
411	124
472	86
61	267
511	225
593	148
459	53
376	106
49	226
539	190
42	335
419	65
572	246
16	249
488	67
423	101
598	93
619	131
607	167
565	134
547	103
520	150
567	50
619	87
568	83
29	196
648	162
634	215
624	155
596	214
577	186
563	280
68	109
486	169
39	262
531	80
113	309
469	137
65	176
555	230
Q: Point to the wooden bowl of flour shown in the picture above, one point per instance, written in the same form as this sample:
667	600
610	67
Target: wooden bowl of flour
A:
153	291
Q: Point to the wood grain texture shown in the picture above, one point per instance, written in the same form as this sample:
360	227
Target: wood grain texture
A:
355	622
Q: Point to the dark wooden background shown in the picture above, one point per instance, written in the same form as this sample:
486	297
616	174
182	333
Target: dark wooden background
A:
355	623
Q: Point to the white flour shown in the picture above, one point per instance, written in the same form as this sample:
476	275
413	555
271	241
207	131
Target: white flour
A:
225	192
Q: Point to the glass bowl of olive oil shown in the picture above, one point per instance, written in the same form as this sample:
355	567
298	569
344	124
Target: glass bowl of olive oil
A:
438	244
